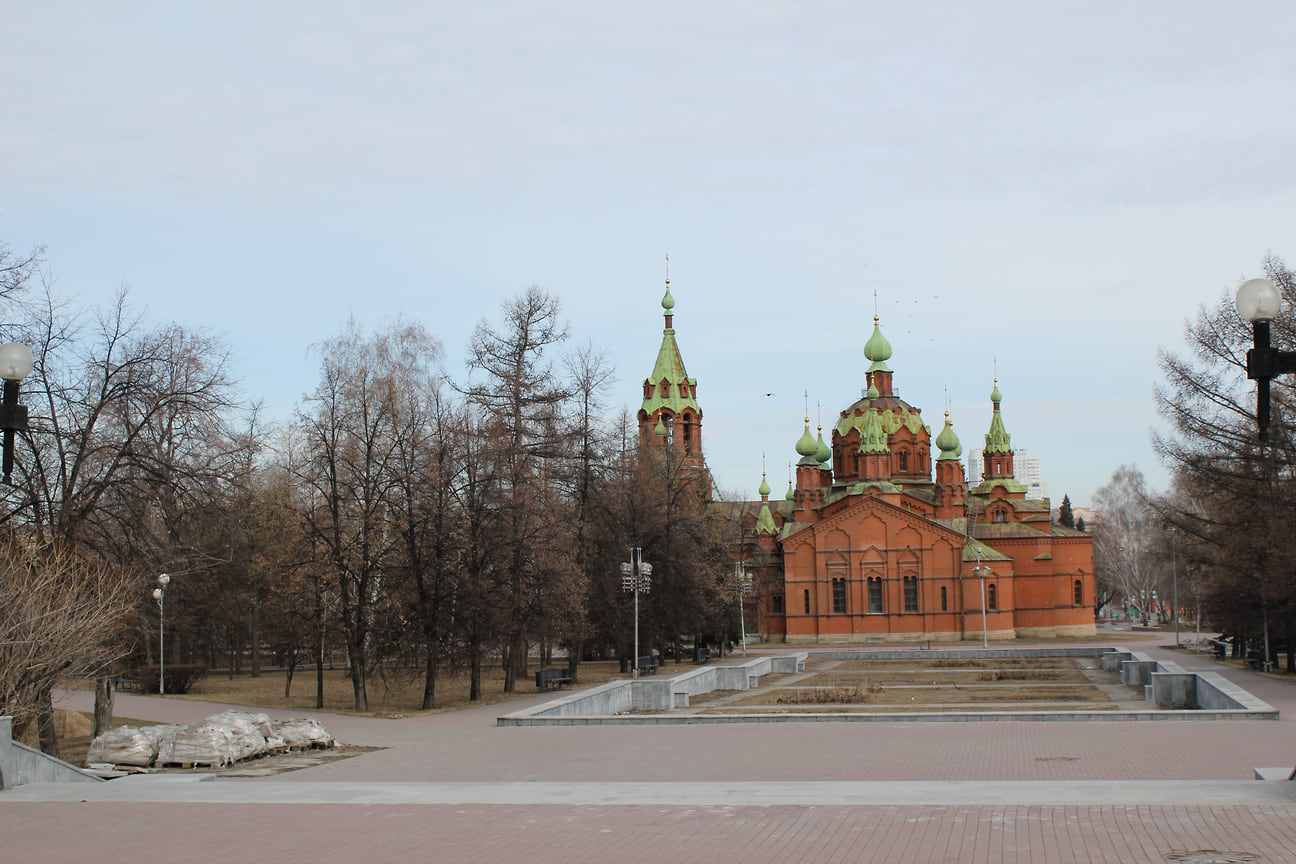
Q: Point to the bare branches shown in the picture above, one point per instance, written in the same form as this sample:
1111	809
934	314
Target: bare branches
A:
60	615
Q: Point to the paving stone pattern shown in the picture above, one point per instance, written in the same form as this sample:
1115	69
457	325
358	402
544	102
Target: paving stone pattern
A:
455	788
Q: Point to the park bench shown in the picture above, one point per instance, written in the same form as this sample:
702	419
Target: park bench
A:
1255	659
552	678
701	655
129	681
646	665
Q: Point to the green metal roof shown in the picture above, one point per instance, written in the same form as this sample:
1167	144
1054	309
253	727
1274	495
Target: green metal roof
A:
670	368
877	349
806	445
948	442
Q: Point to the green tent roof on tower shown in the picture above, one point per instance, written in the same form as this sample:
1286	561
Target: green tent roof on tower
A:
681	390
873	438
997	440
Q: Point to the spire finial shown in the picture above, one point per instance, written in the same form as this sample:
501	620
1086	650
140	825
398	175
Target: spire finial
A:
668	302
807	407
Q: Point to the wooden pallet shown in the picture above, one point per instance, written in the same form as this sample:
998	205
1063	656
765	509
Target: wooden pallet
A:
189	765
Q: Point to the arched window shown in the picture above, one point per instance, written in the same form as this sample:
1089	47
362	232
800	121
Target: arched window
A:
903	456
911	593
999	516
1079	593
839	596
992	601
875	594
944	600
806	595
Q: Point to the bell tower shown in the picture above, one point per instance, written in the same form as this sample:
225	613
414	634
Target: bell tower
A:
670	419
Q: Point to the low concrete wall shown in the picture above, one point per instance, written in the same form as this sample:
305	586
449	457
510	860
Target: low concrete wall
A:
20	764
1138	672
1174	689
656	693
1216	693
1172	693
1112	660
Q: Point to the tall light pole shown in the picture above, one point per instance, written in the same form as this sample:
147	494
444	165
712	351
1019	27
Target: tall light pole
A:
159	594
1259	302
742	586
636	576
16	363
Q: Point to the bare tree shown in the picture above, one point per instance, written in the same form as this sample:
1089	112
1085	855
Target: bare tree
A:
1127	544
351	427
123	417
60	615
522	399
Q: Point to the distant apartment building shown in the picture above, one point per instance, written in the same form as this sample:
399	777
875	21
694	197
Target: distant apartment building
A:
1026	471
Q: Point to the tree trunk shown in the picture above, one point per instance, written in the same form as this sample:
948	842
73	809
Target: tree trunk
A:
103	707
292	667
359	673
319	673
573	658
474	669
254	625
45	730
320	613
430	663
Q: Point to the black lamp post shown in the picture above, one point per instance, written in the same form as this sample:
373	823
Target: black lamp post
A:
1258	301
15	365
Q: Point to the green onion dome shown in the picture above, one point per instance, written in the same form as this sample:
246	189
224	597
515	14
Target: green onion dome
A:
806	445
948	442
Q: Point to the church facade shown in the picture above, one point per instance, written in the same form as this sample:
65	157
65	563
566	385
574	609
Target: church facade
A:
881	538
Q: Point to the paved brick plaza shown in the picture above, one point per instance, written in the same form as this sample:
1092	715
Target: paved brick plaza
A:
453	787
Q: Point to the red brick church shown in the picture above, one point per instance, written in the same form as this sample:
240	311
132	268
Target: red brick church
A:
870	545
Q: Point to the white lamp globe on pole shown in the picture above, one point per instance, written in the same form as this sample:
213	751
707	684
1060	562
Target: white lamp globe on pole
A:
1258	300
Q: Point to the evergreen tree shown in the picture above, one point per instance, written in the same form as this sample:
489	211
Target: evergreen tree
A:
1065	517
1080	526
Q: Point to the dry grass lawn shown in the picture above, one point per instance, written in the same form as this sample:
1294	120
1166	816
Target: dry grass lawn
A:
391	695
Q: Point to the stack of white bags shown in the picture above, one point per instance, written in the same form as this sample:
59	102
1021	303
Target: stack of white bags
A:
220	740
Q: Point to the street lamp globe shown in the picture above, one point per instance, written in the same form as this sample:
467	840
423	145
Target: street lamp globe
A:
1258	300
164	580
16	361
157	594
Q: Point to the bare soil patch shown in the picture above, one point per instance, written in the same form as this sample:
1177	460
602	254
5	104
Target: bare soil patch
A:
1010	684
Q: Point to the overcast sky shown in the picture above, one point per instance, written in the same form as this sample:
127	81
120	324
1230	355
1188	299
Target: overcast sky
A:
1055	185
